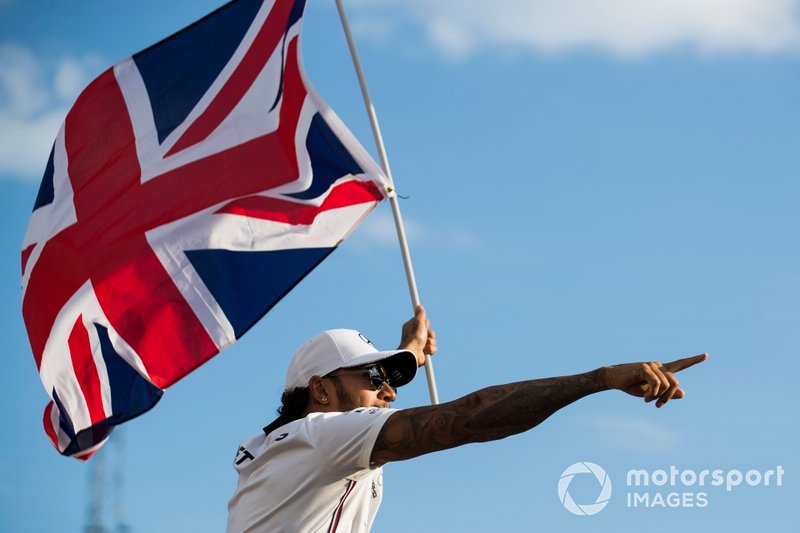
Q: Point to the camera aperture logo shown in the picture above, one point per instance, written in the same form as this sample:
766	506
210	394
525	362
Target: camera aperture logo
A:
584	509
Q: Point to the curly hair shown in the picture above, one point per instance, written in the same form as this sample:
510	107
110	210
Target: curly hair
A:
293	405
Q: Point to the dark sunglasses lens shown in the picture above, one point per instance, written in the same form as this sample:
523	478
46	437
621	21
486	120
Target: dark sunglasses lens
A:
376	377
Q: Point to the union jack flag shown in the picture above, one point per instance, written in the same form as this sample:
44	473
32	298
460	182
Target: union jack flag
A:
190	188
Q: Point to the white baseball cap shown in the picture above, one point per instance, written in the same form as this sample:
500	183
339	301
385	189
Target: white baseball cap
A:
346	348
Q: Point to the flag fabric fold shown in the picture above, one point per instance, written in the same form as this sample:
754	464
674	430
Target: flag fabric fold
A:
189	189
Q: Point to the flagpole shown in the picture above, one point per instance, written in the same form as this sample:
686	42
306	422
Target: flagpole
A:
390	190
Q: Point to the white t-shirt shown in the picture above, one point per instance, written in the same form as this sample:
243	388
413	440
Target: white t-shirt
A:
310	475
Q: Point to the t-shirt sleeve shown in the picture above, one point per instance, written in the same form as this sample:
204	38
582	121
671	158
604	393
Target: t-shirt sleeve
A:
343	441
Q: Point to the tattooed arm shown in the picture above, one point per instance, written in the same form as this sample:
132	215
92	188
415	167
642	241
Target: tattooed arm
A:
497	412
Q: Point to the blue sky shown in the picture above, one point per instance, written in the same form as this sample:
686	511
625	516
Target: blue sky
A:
587	183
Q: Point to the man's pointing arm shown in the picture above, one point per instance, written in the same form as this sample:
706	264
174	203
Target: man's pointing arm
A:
500	411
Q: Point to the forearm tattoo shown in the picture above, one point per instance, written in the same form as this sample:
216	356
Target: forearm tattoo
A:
488	414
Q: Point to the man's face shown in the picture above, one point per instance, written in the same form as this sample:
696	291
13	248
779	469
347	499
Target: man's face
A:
354	389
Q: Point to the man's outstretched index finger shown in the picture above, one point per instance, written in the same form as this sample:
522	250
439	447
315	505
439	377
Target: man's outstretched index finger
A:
682	364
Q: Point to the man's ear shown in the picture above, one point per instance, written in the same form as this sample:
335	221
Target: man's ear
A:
319	391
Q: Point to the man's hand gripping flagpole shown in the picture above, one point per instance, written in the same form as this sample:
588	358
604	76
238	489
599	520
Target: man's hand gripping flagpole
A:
390	191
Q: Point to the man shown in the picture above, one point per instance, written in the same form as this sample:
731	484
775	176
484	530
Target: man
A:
318	467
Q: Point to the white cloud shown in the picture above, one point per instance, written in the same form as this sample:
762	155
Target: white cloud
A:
376	29
622	28
379	229
21	81
71	77
25	143
35	95
638	435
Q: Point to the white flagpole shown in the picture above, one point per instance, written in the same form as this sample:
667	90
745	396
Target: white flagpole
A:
390	191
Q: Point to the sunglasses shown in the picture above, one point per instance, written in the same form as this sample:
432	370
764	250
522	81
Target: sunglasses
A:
376	376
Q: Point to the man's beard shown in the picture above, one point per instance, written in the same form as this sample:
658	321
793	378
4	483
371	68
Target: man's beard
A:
347	401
